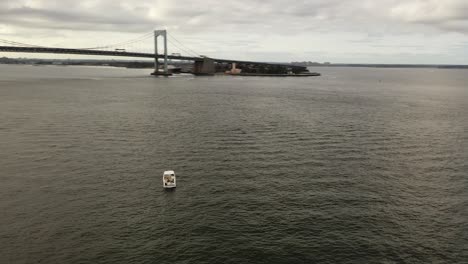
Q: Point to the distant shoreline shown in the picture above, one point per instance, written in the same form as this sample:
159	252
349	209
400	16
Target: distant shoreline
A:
147	64
432	66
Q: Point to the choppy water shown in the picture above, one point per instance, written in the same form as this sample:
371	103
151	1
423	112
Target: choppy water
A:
357	166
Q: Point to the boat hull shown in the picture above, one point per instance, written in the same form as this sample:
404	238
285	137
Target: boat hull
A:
169	180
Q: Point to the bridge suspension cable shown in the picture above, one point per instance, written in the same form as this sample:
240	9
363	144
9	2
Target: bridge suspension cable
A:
120	44
19	44
187	48
182	49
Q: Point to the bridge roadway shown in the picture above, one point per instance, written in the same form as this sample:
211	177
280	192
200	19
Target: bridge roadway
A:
133	54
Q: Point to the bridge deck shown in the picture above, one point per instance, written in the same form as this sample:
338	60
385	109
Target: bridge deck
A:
131	54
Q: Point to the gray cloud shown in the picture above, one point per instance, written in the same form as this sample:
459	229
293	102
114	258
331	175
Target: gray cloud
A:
74	18
196	16
447	15
264	26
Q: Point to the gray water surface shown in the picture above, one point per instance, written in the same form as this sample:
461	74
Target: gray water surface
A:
360	165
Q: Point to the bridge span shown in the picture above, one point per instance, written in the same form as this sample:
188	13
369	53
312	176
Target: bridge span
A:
197	60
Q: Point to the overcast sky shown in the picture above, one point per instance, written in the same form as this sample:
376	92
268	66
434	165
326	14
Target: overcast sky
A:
351	31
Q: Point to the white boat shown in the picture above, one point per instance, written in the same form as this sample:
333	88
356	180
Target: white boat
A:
169	179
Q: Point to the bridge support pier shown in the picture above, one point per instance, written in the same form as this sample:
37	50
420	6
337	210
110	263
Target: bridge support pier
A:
204	67
165	72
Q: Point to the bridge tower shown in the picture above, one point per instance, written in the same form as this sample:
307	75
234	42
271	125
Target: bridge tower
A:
163	34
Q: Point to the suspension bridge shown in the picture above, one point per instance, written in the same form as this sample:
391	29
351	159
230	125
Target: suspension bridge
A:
202	65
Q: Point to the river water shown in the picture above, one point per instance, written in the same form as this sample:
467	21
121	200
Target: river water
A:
360	165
